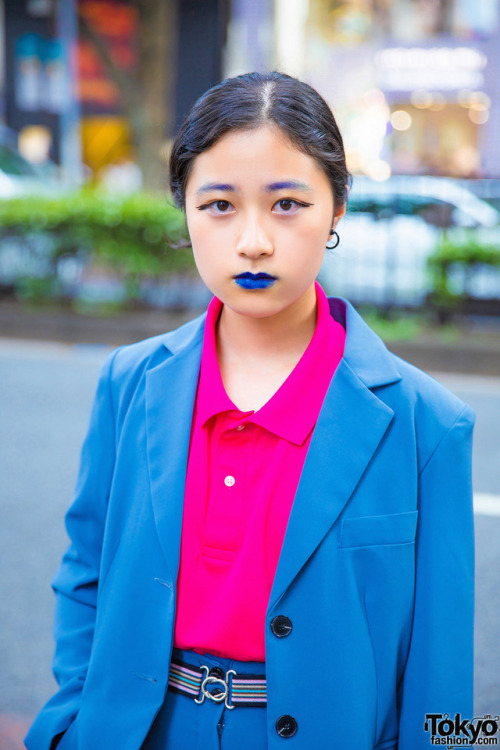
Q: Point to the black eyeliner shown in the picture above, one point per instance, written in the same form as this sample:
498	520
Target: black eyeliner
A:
211	203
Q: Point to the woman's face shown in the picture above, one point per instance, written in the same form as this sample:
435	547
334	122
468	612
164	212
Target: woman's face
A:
259	213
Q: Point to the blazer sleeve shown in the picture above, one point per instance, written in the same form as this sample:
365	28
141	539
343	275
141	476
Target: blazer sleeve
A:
75	584
438	677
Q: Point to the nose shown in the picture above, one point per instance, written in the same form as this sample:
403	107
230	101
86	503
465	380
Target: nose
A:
254	241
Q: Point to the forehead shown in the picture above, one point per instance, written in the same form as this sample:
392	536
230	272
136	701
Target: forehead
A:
264	154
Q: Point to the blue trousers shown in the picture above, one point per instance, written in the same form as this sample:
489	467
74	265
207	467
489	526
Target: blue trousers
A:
183	724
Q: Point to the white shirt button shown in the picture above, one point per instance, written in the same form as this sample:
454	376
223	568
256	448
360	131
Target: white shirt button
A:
241	427
229	481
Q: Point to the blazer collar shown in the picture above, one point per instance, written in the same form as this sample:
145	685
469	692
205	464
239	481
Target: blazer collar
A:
364	351
188	335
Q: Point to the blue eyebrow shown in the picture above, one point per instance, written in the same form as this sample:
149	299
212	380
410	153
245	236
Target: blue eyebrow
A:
215	186
287	185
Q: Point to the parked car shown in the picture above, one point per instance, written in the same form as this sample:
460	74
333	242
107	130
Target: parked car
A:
390	230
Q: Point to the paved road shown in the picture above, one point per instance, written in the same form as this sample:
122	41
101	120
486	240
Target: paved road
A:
45	399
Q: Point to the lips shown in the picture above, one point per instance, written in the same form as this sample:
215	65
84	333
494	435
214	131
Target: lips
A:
254	276
249	280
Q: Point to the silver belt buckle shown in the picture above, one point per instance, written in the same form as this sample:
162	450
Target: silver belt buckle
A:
210	680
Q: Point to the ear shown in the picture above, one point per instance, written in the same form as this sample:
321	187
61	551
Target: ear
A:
340	212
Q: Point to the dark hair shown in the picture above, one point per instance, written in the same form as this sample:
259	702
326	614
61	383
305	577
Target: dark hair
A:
253	99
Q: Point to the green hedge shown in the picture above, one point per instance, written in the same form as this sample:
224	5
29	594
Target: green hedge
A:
135	234
452	261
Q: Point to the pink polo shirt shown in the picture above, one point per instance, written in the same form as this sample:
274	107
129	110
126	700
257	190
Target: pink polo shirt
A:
242	474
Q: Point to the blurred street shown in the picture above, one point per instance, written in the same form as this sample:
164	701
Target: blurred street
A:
47	390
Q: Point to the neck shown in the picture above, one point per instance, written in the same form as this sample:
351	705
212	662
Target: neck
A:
280	337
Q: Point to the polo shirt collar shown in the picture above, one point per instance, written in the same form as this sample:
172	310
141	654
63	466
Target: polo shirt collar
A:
292	411
212	397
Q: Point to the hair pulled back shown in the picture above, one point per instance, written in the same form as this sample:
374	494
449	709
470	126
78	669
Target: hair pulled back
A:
249	101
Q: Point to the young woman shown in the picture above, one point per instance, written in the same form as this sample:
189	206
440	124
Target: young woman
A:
272	535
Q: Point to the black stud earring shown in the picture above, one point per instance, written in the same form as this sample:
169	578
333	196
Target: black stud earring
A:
335	240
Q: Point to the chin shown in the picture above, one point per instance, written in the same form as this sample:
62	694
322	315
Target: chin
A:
255	306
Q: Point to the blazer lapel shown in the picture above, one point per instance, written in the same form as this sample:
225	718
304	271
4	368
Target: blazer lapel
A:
170	394
351	424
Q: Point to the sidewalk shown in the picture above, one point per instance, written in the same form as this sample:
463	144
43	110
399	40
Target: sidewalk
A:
476	351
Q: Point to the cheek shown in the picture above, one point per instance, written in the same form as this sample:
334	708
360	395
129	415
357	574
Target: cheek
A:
205	260
307	241
208	258
213	246
201	226
192	222
315	223
199	236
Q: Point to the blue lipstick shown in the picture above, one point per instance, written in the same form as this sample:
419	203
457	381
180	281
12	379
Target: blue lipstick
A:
249	280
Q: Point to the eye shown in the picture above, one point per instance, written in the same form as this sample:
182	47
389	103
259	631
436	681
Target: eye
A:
216	207
222	206
289	206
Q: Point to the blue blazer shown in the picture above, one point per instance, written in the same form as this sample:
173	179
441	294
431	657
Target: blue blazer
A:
375	573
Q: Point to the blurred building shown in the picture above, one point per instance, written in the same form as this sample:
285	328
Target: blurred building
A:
55	91
415	83
34	86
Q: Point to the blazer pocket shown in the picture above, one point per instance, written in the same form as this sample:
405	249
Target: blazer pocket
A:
367	531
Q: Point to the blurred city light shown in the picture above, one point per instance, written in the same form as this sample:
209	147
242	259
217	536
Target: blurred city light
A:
34	143
401	120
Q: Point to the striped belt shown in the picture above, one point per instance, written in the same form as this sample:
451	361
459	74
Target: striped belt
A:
232	688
